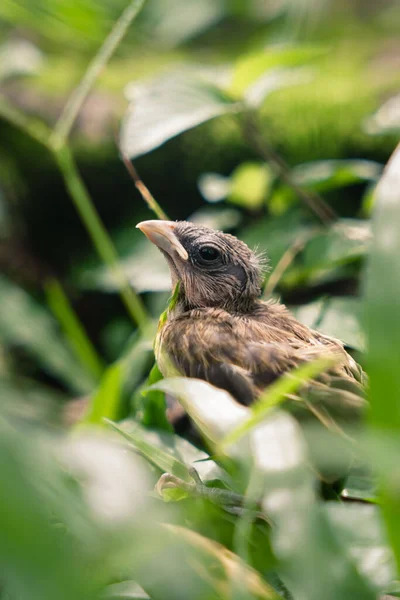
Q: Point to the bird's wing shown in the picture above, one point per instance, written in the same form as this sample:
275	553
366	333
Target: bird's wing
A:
243	356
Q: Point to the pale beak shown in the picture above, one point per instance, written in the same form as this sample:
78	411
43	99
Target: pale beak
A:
161	234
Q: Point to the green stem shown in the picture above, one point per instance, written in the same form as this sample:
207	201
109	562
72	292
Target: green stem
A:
73	328
98	234
65	122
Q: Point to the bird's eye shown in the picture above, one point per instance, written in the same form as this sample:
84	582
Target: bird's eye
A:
209	254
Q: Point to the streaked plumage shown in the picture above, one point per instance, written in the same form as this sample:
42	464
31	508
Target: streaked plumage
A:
220	331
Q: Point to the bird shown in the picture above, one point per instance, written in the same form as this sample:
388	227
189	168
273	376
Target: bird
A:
220	330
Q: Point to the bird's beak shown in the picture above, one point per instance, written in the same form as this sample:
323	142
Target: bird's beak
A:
162	234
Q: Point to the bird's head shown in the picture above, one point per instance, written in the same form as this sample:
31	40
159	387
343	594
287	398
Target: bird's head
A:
214	269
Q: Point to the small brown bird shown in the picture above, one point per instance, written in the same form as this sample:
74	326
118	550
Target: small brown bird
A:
221	331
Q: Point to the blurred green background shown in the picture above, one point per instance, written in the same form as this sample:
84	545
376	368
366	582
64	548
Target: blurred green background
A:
237	114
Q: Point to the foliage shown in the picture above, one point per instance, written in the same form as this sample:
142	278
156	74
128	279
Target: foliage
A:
119	505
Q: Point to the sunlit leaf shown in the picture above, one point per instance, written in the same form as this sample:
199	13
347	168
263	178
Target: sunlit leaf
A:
386	119
250	184
213	187
19	57
249	68
325	175
106	401
167	106
168	30
213	410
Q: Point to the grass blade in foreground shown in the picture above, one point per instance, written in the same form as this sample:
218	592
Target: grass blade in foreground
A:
276	393
383	330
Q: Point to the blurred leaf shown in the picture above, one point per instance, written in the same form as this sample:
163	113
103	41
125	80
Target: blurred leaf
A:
169	29
250	185
383	331
73	328
120	378
174	445
326	175
213	187
19	57
249	68
222	567
216	218
386	119
106	401
214	411
79	21
360	485
359	527
275	235
328	252
23	322
126	590
337	317
166	106
274	80
312	560
159	454
26	400
68	509
345	241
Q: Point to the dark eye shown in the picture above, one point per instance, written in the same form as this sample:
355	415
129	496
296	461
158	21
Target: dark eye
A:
209	254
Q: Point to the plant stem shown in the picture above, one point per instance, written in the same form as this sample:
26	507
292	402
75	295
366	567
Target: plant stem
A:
143	189
99	236
314	201
65	122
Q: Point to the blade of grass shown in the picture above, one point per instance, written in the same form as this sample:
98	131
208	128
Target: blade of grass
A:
277	393
163	460
73	328
383	332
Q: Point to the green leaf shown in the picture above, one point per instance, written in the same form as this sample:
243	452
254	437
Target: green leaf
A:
19	57
120	379
154	405
213	410
249	68
106	401
383	332
73	328
24	322
250	184
359	527
160	455
336	317
312	563
326	175
167	106
346	241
